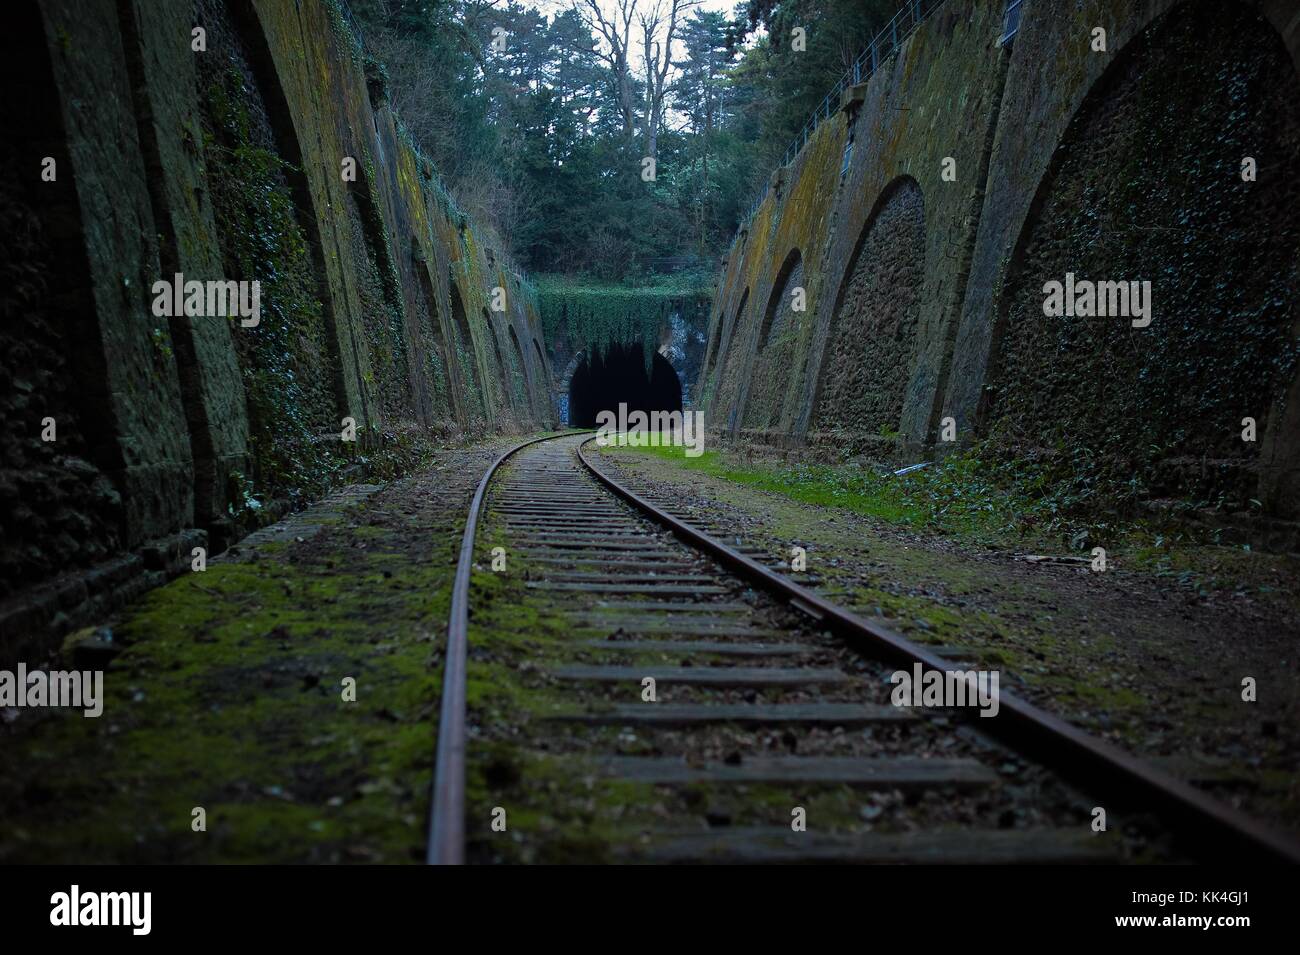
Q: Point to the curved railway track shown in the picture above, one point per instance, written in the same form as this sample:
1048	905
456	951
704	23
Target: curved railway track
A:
764	688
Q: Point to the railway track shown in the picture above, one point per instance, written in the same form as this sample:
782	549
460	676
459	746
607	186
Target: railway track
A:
702	707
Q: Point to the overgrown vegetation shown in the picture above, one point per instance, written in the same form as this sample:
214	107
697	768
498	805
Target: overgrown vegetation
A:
230	696
965	494
1007	507
286	362
593	314
546	138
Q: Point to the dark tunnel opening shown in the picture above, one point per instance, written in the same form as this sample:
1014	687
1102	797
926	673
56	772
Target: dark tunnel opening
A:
604	381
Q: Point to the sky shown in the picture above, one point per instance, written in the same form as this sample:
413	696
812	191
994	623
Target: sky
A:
552	7
610	7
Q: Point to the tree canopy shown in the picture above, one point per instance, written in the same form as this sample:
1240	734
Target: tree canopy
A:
544	120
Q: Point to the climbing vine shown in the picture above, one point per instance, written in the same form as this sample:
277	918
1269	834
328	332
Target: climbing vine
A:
595	315
1148	186
284	359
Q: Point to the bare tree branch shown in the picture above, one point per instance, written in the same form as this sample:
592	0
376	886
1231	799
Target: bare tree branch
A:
657	54
615	30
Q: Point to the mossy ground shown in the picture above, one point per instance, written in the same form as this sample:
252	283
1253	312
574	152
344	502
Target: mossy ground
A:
229	697
559	808
960	497
555	812
1150	654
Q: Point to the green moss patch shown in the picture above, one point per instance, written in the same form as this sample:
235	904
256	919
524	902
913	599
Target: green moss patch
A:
229	697
977	501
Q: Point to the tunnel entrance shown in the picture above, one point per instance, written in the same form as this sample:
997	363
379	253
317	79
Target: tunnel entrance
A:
602	381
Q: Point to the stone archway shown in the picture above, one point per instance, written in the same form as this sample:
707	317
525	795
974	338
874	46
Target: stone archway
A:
671	351
1136	412
617	377
870	348
773	349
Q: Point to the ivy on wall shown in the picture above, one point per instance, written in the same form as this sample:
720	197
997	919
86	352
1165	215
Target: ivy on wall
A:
380	291
285	359
1148	186
595	315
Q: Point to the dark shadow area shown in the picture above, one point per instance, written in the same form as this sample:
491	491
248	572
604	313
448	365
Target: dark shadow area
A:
604	381
60	464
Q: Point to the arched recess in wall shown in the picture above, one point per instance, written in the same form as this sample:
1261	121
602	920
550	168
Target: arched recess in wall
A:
463	358
503	375
545	389
776	317
771	372
396	381
61	510
715	343
519	372
1147	186
872	338
711	350
724	363
203	350
267	231
435	405
541	365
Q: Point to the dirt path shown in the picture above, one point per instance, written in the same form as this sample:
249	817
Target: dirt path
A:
230	697
1155	667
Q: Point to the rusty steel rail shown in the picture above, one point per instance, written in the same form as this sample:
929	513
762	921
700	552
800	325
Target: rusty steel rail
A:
1218	829
1063	747
447	809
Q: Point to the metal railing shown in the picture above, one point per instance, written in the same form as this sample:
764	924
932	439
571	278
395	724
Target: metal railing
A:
882	46
671	264
350	19
1011	21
